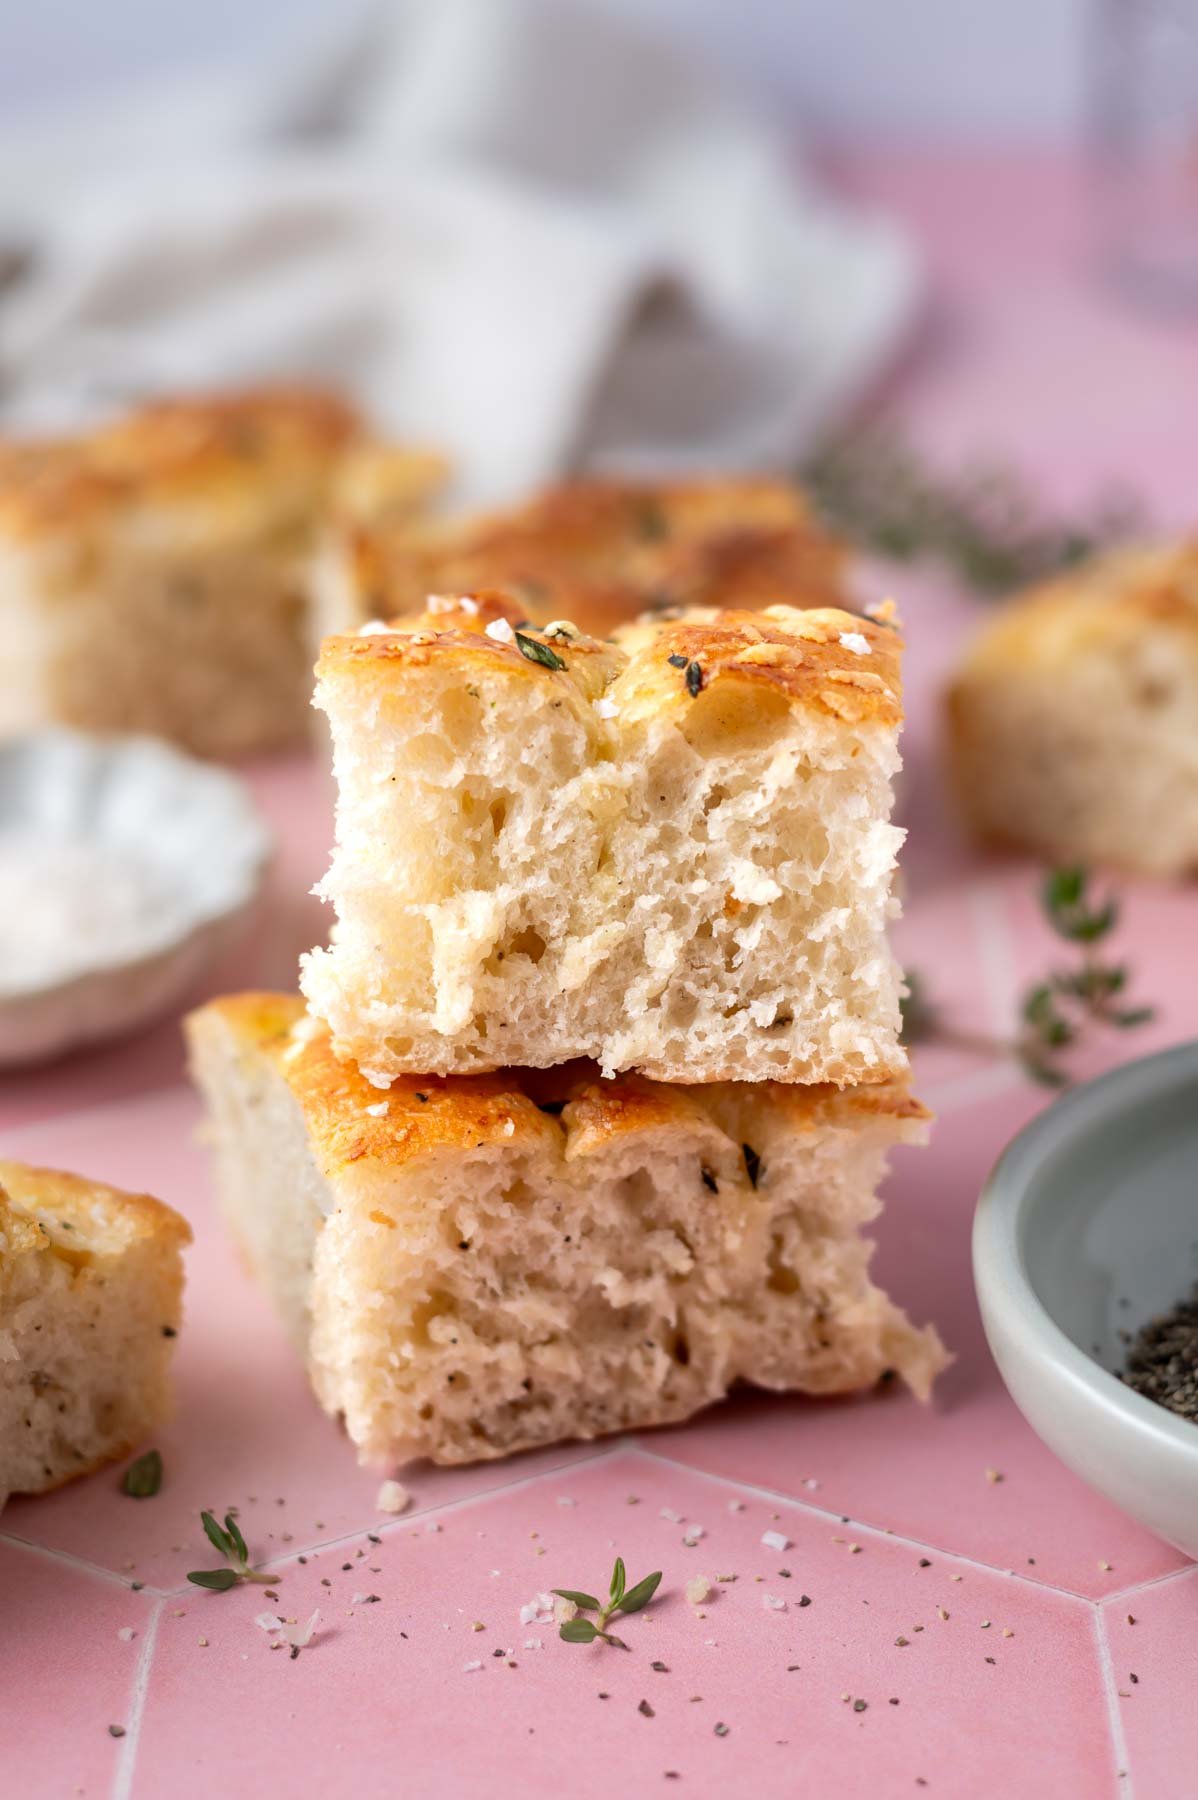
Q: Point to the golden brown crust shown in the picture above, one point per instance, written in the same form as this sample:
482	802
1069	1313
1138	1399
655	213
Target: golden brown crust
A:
454	634
75	1211
822	657
169	449
834	661
514	1108
600	552
1105	605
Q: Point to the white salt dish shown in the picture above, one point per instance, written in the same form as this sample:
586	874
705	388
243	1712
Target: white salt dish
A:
125	868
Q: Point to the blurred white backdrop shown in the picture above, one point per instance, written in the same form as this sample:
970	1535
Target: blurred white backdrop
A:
958	69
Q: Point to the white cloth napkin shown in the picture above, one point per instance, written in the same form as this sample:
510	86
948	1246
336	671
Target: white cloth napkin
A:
514	229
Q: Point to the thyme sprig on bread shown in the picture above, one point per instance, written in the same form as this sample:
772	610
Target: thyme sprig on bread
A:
1055	1012
620	1599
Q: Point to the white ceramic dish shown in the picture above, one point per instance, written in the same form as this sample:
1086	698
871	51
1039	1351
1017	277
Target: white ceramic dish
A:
1087	1228
176	842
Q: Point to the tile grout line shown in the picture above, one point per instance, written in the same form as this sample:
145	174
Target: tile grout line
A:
122	1783
775	1495
395	1527
1125	1787
993	934
68	1560
1154	1581
153	1591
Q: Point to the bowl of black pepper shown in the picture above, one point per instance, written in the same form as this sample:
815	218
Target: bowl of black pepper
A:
1085	1259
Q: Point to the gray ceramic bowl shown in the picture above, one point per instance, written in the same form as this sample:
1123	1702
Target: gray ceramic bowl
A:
1087	1228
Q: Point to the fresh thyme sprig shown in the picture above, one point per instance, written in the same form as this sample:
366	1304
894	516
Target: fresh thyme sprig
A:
533	650
1056	1011
229	1541
985	523
585	1631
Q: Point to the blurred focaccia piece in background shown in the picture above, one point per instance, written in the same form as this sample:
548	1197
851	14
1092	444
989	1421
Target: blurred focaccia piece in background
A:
91	1292
156	573
597	552
1073	720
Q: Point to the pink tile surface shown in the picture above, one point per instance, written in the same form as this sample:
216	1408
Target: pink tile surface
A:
1005	364
775	1678
67	1675
1152	1643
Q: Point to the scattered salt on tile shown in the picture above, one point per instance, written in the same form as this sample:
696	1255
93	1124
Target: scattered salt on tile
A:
736	1506
667	1512
565	1500
533	1644
432	1526
773	1602
392	1496
126	1634
811	1485
698	1589
774	1540
692	1534
470	1667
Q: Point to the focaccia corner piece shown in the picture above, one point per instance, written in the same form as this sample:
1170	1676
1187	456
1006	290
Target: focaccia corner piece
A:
1073	720
155	573
480	1264
669	853
91	1288
597	551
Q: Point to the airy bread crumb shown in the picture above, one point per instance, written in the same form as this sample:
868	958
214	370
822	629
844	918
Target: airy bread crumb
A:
521	1258
694	882
91	1285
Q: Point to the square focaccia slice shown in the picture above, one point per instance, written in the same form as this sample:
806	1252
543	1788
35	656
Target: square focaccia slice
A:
474	1265
669	853
1073	716
156	572
91	1286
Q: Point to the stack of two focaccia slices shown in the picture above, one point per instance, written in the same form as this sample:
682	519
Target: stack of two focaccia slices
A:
596	1082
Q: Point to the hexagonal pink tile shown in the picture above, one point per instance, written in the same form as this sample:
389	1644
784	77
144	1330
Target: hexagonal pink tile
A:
817	1698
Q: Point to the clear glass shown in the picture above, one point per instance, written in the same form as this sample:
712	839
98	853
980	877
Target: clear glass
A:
1145	139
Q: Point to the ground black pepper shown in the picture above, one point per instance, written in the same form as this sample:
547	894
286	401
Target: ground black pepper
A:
1162	1361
